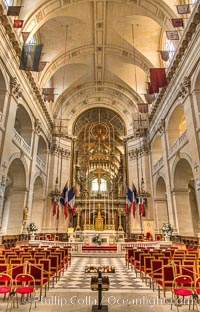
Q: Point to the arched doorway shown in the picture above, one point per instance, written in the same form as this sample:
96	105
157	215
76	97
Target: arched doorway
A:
185	199
37	204
161	209
15	198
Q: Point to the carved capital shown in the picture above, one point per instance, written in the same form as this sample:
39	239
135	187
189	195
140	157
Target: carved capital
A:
138	152
161	127
38	126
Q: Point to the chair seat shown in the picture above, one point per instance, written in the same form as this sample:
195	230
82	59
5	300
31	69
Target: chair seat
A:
24	290
5	289
182	292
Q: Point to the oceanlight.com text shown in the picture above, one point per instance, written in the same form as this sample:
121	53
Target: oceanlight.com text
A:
111	300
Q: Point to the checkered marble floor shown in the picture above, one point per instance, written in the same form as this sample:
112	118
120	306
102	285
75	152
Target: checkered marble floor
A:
76	278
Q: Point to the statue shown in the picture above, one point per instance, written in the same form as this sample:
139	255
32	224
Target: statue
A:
25	214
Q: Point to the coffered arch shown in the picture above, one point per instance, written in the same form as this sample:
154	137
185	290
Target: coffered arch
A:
134	57
44	10
83	91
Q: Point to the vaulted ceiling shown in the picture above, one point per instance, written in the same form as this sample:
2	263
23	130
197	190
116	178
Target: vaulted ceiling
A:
99	52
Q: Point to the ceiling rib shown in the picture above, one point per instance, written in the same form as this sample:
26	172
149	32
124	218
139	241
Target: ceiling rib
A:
99	38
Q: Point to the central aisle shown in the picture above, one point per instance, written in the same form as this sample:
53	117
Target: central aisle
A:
76	278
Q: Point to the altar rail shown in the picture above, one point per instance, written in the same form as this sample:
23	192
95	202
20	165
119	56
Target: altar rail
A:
77	247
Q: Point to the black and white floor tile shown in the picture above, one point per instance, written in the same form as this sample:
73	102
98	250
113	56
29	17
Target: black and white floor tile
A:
76	278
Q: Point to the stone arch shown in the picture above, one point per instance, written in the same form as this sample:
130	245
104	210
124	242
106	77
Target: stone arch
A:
161	208
37	210
197	91
3	89
33	23
185	198
15	198
42	149
176	124
23	124
156	150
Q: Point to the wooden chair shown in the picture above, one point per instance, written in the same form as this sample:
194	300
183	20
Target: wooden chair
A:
5	285
167	280
148	236
156	271
24	284
47	270
147	267
4	268
40	281
182	286
158	237
55	266
140	238
48	237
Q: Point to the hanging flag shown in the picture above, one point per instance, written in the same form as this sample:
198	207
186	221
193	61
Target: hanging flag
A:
164	55
30	57
48	94
25	35
158	77
42	65
143	108
18	23
71	199
141	207
172	35
64	199
13	10
177	22
58	212
152	89
129	200
54	205
134	200
183	9
149	98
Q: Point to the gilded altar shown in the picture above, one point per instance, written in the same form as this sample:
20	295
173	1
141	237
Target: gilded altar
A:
99	222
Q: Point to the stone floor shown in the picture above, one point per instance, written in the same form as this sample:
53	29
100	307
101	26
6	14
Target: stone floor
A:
126	293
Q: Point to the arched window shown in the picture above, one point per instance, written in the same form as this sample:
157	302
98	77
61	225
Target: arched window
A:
8	2
103	185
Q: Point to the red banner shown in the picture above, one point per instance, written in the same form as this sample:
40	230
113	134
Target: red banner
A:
177	22
158	77
18	23
152	89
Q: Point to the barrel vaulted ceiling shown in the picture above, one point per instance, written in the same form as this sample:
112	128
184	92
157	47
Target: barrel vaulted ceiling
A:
99	52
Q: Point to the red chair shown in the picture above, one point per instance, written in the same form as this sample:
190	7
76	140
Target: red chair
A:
148	236
167	280
25	285
182	286
5	286
48	237
39	280
158	237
